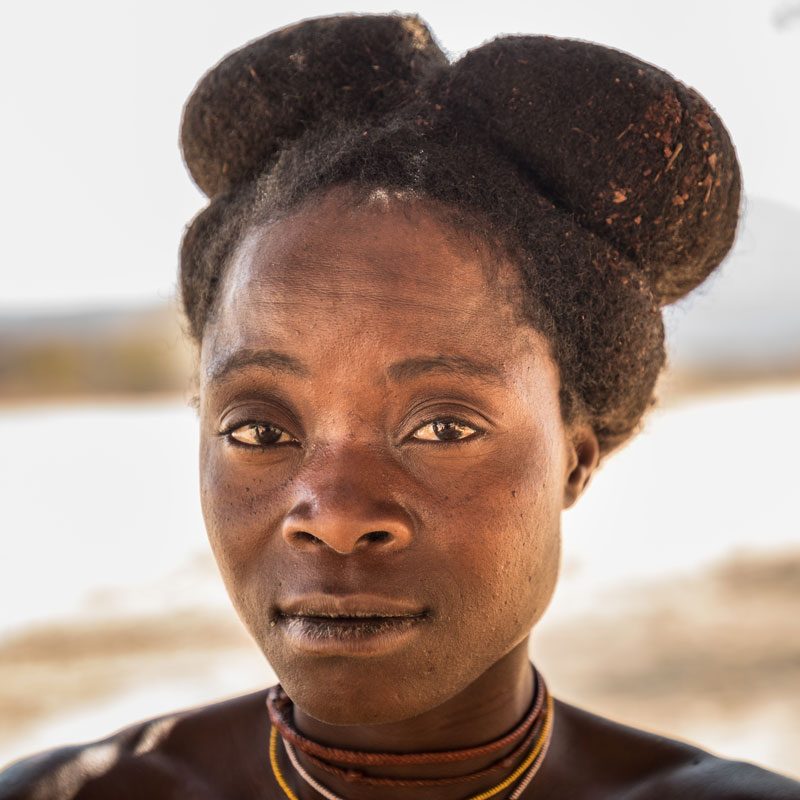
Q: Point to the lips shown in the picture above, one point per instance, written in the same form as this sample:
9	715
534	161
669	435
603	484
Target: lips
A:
349	605
349	625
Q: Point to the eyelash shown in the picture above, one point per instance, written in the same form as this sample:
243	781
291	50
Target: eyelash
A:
477	432
227	434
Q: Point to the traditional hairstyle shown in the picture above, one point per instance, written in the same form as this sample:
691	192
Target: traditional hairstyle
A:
612	187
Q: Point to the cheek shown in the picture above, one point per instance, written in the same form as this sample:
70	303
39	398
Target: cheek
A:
536	504
237	516
503	534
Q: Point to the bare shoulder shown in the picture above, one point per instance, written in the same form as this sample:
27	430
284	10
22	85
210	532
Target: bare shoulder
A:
707	777
638	765
177	755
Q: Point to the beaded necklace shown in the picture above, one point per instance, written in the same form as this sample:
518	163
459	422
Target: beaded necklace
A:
524	773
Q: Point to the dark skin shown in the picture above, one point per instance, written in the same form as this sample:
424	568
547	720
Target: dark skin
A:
378	427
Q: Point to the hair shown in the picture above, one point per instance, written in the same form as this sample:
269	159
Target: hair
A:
613	188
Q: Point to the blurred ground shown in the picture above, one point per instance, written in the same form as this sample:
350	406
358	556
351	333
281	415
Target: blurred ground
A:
714	658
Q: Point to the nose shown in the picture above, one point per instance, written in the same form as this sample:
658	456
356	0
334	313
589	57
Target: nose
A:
346	515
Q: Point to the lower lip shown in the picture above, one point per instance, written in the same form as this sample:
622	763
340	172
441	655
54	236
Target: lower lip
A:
331	636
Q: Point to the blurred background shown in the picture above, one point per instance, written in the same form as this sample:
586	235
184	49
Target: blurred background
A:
679	606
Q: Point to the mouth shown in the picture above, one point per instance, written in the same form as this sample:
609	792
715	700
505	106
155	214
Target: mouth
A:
348	625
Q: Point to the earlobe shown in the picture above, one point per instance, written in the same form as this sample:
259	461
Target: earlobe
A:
584	455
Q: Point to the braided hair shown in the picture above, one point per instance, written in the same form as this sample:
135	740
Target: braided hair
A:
612	187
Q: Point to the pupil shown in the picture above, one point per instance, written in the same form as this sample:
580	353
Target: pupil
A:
266	434
447	430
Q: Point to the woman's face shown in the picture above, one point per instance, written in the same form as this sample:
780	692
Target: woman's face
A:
383	459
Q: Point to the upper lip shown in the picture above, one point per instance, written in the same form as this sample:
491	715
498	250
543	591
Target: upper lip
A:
349	605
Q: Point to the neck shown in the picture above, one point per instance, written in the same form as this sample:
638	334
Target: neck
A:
486	710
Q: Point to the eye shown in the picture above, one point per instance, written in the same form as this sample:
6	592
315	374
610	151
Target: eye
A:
258	434
444	430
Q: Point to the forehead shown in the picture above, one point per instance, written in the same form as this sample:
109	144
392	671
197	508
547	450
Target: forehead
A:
383	279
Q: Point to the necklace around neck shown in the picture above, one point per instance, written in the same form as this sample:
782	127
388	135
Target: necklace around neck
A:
524	772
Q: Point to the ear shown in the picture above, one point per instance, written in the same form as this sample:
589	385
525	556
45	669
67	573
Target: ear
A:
583	457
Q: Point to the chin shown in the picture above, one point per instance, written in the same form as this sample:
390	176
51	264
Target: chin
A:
357	708
367	691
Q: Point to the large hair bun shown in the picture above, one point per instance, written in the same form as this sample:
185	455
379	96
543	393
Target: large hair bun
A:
269	92
632	154
639	159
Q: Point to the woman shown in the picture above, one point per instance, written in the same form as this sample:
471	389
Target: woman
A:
426	298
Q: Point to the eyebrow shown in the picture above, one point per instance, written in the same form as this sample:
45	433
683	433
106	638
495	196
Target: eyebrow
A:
406	370
411	368
272	360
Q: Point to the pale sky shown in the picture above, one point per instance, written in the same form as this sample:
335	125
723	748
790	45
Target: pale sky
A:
96	197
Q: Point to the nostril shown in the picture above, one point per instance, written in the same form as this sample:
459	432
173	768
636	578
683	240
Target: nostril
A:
376	537
345	533
304	537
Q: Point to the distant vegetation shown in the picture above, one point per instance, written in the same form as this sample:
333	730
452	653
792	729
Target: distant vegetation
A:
125	352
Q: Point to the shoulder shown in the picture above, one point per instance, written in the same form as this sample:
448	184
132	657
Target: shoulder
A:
105	768
644	766
179	755
706	777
